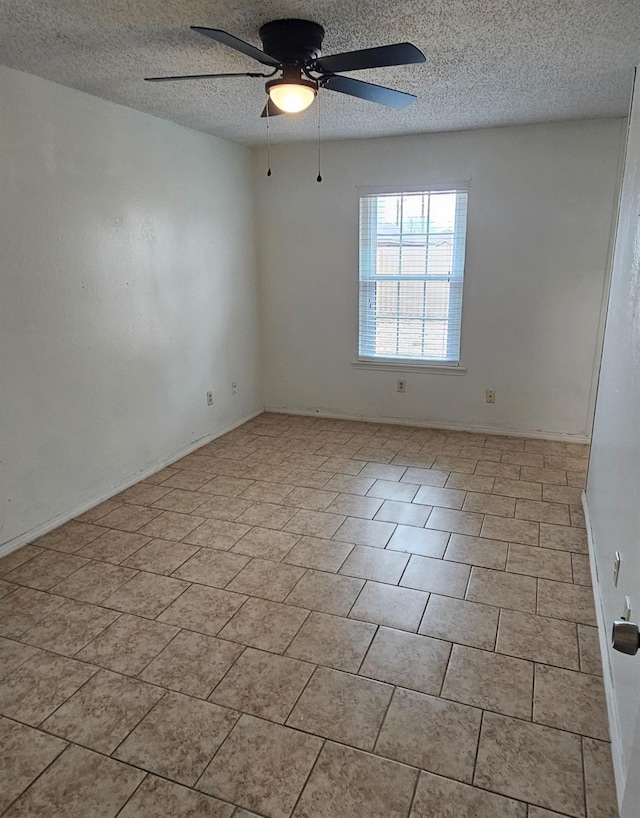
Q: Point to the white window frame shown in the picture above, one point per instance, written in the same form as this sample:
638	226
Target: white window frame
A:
449	365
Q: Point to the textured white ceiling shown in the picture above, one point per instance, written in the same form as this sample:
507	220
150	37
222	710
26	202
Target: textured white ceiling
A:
489	62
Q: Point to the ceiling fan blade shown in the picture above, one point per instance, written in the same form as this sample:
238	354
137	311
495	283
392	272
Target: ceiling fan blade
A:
273	109
398	54
201	77
239	45
367	90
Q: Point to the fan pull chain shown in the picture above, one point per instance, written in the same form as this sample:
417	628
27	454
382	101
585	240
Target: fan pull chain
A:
319	177
268	144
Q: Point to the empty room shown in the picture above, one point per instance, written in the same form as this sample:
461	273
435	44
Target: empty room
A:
319	409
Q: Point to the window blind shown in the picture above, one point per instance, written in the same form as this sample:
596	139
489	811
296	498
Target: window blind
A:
412	246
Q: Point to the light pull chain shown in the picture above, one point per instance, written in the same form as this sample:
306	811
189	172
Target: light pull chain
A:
268	143
319	177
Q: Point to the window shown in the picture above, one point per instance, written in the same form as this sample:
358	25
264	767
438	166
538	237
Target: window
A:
411	273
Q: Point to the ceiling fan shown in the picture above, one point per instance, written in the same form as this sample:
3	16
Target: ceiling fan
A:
293	48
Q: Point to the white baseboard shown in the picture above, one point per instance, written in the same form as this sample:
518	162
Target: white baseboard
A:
433	424
147	471
604	629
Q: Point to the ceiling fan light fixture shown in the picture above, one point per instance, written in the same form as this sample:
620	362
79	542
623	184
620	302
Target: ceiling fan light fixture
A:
292	96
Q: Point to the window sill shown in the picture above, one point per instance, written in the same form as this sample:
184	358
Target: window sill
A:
406	366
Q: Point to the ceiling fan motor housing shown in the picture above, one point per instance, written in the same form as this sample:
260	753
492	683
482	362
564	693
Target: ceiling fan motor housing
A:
292	41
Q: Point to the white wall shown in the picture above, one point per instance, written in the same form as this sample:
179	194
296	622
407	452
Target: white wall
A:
540	211
127	290
613	486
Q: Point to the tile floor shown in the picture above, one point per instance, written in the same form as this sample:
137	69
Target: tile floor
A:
316	618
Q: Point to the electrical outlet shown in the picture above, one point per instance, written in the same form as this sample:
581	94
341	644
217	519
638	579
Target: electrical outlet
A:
490	396
234	388
209	398
402	385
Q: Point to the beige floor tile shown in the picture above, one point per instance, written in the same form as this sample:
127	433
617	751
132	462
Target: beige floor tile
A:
436	576
159	557
266	579
441	497
128	645
564	538
365	532
477	551
589	645
103	711
266	543
101	510
489	681
342	707
309	478
375	563
393	489
578	519
186	479
156	797
18	557
315	523
502	589
45	570
517	488
539	562
261	766
264	491
347	484
389	605
550	641
466	623
129	517
532	763
211	567
470	482
142	494
23	608
392	511
494	504
223	508
69	628
332	641
570	701
94	582
178	737
561	494
562	600
227	486
377	454
557	477
424	476
181	500
78	783
202	609
171	525
25	754
270	473
265	625
263	684
310	498
438	797
13	654
40	685
146	594
457	464
347	782
321	591
69	537
456	522
6	588
114	546
431	733
342	465
323	555
407	660
355	506
383	471
510	530
219	534
555	513
599	779
192	663
501	471
415	540
538	812
160	476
